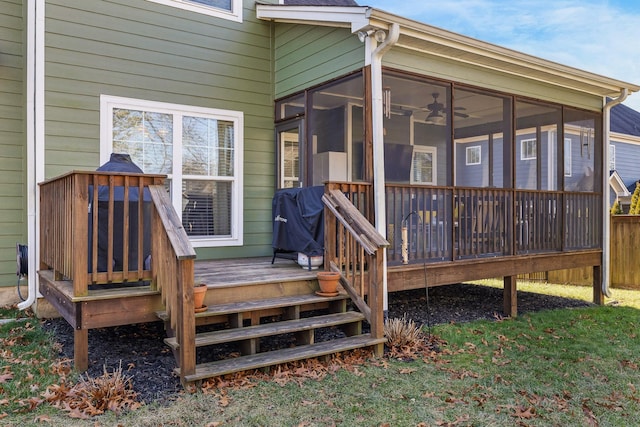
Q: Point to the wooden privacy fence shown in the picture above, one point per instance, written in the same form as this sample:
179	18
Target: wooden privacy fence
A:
624	270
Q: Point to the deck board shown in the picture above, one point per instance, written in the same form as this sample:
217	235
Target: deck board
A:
247	271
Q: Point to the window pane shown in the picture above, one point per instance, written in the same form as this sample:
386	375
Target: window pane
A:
290	107
422	167
146	136
208	147
221	4
290	163
206	208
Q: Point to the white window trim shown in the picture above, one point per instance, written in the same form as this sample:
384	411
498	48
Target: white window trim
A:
434	163
108	103
466	155
235	14
567	157
524	142
612	157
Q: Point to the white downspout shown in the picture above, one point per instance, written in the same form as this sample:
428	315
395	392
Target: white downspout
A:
606	223
378	146
35	139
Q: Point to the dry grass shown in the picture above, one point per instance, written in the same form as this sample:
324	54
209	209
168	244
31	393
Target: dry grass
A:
404	337
112	391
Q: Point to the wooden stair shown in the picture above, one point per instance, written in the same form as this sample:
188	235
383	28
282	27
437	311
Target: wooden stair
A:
272	358
300	315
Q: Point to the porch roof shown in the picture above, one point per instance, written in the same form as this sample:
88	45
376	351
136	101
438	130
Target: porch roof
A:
421	37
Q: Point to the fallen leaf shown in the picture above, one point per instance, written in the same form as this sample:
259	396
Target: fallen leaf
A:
591	419
523	413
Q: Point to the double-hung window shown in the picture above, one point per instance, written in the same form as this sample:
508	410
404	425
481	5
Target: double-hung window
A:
423	165
528	149
227	9
199	149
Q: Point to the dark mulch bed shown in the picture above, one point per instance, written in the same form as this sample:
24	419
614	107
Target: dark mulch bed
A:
141	352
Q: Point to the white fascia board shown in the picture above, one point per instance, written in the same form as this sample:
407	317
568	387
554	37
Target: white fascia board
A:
624	138
520	63
615	180
353	17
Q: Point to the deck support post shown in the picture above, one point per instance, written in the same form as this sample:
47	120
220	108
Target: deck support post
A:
510	296
598	295
81	349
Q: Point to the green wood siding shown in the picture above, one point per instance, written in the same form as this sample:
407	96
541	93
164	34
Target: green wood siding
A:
306	56
13	202
145	50
448	69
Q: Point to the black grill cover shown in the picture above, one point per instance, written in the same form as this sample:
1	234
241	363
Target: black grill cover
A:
120	163
298	220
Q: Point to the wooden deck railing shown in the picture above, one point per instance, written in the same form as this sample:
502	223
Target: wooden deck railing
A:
449	223
353	248
173	268
96	237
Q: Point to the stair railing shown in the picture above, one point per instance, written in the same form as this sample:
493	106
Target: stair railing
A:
173	269
353	249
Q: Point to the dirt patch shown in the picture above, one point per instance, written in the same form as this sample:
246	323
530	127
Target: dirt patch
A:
144	356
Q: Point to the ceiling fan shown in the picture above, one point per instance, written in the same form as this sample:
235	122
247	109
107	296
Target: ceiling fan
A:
437	110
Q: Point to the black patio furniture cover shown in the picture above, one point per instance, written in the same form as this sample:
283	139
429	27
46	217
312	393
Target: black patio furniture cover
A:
120	163
298	220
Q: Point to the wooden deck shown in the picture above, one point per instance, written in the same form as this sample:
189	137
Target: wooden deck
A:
247	279
248	271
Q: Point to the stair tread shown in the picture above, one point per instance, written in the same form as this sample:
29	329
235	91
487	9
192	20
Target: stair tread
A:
276	357
269	329
264	304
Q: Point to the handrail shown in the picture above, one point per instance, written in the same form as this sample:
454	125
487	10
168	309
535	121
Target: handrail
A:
174	274
78	227
352	248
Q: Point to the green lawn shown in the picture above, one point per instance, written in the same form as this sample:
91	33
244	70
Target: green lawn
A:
562	367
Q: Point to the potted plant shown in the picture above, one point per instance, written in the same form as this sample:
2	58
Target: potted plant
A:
328	281
199	292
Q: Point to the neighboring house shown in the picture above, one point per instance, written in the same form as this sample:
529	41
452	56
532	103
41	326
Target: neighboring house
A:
437	123
624	154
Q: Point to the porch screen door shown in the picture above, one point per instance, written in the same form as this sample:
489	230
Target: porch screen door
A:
289	148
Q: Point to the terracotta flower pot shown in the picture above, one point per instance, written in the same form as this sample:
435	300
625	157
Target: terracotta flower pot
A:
328	281
199	291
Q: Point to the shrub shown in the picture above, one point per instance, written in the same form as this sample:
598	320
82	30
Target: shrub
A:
635	201
404	336
616	209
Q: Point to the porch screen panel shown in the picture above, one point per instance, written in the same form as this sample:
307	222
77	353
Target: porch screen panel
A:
482	120
583	202
537	146
335	132
417	130
583	136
